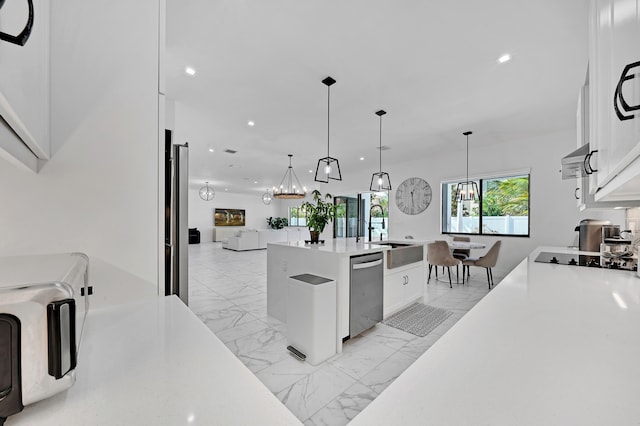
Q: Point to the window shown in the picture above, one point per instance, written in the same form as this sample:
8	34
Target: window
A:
503	201
297	216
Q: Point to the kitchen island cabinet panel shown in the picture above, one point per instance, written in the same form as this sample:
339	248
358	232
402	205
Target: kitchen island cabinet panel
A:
402	287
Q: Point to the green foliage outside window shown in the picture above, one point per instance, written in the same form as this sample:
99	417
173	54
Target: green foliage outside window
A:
506	197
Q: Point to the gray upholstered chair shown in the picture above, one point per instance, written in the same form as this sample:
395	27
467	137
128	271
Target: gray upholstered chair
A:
438	254
461	254
487	261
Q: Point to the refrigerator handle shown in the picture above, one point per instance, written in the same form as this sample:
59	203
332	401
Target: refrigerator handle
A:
169	287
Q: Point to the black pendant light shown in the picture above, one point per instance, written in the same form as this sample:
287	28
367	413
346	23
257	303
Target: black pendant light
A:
328	167
467	190
380	181
290	187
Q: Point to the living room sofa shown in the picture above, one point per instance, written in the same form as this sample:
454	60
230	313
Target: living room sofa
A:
256	239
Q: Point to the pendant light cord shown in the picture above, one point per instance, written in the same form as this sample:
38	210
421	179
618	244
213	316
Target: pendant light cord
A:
328	116
467	160
380	147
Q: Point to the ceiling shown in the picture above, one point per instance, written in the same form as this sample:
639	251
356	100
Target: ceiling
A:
431	65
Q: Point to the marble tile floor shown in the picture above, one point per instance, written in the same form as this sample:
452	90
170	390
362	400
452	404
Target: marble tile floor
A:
228	292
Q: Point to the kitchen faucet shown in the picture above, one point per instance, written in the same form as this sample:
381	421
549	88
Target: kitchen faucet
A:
370	222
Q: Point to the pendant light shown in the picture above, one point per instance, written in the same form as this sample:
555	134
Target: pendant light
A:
467	190
290	187
380	181
328	167
266	197
207	193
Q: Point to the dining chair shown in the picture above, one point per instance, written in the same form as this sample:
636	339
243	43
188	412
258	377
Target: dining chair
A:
488	261
461	254
438	254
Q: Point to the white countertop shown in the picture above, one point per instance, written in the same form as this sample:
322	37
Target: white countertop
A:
551	344
347	246
154	362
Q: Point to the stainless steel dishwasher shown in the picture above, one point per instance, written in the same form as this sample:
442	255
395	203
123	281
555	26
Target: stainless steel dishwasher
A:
366	292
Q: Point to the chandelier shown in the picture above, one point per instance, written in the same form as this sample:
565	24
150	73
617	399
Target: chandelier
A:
290	187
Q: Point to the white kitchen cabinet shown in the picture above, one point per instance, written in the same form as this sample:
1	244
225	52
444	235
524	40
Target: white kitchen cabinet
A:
402	286
24	86
614	61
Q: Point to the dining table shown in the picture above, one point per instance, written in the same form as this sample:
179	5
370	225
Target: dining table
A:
461	245
465	245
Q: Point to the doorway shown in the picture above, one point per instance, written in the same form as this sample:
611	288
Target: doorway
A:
370	222
345	224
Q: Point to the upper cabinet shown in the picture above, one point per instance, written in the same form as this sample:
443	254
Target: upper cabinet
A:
614	99
24	82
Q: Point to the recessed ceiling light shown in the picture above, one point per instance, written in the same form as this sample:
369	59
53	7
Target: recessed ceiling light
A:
255	181
310	171
361	158
226	189
211	149
250	123
190	71
504	58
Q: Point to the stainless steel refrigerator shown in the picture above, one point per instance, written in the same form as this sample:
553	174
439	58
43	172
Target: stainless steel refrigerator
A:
176	263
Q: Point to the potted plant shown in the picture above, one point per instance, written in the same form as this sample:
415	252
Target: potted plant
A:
277	222
319	213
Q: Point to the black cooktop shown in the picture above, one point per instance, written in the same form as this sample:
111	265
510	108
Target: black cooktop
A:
569	259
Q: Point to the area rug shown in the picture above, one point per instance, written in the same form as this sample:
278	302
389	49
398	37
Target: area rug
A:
418	319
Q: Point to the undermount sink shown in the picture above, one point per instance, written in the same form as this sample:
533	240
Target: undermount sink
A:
403	254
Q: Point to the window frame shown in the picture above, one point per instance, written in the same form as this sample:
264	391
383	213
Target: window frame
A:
480	180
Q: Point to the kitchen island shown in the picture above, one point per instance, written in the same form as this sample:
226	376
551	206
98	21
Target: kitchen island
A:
329	260
551	344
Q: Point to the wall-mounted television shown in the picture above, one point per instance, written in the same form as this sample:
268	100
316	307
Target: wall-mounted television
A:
229	217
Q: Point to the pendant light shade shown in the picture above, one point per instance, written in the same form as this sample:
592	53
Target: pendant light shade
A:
328	167
266	197
467	190
380	181
290	187
207	193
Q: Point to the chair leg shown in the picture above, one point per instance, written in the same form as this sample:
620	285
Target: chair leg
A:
491	275
449	270
488	279
429	278
463	266
458	275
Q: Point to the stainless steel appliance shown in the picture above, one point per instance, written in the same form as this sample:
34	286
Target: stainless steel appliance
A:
366	292
176	219
590	234
616	252
43	306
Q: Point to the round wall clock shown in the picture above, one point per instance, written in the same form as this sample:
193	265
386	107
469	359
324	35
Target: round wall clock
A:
413	196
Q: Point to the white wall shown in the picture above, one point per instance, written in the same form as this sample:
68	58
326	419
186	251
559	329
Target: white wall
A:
99	192
553	211
201	212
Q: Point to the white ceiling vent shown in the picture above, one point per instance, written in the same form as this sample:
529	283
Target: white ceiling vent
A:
230	151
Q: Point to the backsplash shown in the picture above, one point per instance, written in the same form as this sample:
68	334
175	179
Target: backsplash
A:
633	220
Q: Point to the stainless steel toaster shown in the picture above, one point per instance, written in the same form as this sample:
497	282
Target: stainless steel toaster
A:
43	306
